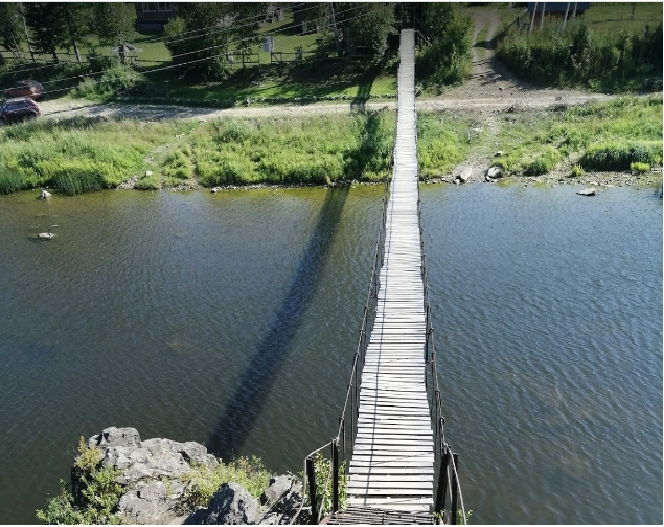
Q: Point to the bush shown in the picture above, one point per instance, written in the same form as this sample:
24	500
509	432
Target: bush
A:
616	60
577	171
639	167
616	156
95	499
204	481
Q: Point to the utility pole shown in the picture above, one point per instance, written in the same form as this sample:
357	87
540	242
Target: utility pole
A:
532	19
566	13
25	28
574	14
542	15
633	8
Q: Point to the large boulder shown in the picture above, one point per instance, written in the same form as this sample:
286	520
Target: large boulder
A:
283	498
150	459
115	437
494	173
152	503
230	505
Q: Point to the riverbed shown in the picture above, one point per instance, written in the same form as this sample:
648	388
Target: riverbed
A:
231	319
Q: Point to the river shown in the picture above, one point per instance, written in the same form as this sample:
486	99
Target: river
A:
231	319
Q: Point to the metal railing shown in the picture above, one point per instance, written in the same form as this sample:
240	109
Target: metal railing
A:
341	449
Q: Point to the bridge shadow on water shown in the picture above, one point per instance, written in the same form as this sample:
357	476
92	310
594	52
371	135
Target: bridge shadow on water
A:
254	384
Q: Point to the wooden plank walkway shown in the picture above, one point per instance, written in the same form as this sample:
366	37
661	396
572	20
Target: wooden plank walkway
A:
392	463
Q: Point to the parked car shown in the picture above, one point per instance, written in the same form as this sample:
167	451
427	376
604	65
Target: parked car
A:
19	109
32	89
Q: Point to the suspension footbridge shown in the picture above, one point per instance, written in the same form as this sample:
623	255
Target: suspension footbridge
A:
399	468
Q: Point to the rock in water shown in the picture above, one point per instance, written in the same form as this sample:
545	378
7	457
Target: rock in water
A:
586	192
494	173
45	194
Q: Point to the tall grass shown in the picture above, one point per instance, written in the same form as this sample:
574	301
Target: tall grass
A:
291	151
443	141
605	136
584	55
78	155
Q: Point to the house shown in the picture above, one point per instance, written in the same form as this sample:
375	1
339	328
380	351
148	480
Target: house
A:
154	15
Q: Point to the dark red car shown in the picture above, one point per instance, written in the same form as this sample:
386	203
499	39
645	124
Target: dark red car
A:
20	109
32	89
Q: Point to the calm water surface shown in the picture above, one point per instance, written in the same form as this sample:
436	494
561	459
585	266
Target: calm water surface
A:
231	320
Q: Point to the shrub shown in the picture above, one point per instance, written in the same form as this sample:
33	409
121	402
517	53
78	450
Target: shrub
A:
616	156
577	171
96	497
640	167
10	181
204	481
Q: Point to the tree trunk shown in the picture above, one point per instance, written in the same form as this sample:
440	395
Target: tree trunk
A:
566	13
633	8
336	31
542	16
27	37
532	20
78	55
55	56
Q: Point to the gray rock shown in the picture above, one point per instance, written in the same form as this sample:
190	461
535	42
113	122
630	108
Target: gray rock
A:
147	504
113	436
586	192
283	497
230	505
45	194
465	174
499	153
494	173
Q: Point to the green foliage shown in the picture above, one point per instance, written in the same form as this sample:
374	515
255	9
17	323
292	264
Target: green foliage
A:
114	22
577	171
203	481
616	60
610	136
283	151
640	167
78	155
220	43
99	493
446	31
442	142
620	156
115	79
152	182
377	22
11	30
322	471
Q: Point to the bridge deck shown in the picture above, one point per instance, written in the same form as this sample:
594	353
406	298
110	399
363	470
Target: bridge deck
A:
392	463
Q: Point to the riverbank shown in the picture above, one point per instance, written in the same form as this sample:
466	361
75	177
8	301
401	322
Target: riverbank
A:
80	154
119	478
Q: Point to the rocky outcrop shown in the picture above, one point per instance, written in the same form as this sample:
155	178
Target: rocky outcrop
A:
152	474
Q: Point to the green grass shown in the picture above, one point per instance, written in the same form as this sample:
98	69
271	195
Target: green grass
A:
604	50
443	141
604	136
78	155
204	482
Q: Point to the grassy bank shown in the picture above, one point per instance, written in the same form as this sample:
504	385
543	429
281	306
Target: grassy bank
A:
78	155
605	50
599	136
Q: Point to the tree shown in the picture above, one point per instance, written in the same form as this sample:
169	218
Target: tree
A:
113	22
49	29
446	33
370	25
77	17
224	28
11	28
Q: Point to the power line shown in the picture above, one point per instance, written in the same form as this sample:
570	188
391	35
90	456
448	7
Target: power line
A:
209	57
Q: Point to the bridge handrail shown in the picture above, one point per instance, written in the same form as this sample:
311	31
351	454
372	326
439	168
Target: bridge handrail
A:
351	395
443	451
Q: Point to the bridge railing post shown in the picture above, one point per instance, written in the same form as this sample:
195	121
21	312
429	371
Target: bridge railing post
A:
455	488
311	476
335	475
442	481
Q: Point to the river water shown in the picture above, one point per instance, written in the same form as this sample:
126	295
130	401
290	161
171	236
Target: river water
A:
231	319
